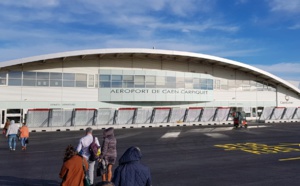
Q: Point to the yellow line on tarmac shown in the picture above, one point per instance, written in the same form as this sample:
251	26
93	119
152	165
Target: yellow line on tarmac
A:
288	144
288	159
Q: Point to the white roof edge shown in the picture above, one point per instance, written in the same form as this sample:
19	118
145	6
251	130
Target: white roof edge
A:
143	50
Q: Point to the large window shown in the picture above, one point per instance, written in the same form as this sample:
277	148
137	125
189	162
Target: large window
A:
150	81
116	81
139	81
42	79
189	83
15	78
180	82
91	81
29	78
2	78
81	80
171	82
160	82
68	80
128	81
56	79
105	81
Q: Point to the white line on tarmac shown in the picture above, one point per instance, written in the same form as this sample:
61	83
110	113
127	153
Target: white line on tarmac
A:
258	126
218	129
216	135
171	135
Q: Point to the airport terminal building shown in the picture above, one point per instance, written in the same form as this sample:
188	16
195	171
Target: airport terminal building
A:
139	86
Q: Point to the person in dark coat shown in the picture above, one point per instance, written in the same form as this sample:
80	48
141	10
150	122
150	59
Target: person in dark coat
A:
109	152
130	171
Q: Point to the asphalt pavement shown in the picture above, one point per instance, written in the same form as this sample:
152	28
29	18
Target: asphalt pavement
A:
262	154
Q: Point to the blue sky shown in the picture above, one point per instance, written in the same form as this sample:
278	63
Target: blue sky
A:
262	33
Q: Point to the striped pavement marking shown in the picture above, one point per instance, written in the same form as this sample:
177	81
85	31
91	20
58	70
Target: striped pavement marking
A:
212	131
289	159
171	135
216	135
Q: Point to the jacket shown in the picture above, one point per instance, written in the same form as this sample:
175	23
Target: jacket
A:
130	171
13	128
84	144
109	146
72	171
24	132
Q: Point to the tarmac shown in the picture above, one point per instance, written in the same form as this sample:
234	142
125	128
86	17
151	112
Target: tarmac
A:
262	154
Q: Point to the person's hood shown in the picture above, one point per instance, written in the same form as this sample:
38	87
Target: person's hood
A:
131	154
12	122
108	132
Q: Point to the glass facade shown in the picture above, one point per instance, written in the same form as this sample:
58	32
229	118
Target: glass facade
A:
133	80
46	79
145	81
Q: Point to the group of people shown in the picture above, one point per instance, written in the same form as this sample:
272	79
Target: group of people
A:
12	131
78	165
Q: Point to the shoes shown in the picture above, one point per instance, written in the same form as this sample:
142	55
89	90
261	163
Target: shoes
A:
14	149
10	149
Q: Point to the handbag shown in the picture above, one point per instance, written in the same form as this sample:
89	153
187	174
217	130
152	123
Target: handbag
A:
27	141
86	180
101	168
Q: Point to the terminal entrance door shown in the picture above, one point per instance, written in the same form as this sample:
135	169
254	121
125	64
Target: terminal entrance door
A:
13	114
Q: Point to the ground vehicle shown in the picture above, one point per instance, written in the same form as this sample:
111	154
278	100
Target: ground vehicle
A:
239	120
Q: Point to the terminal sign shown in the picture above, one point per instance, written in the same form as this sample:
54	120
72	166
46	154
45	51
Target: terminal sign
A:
157	91
155	94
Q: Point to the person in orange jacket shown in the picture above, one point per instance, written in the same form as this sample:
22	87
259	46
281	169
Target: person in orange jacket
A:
24	135
73	169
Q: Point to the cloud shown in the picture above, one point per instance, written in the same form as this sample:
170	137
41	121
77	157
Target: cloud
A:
45	27
30	3
282	67
295	27
289	6
287	71
175	7
241	2
238	53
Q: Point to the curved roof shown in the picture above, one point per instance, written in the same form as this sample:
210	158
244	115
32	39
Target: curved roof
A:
188	56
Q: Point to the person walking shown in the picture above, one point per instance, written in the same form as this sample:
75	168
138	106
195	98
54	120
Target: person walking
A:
24	135
72	171
83	149
7	123
11	133
130	171
109	152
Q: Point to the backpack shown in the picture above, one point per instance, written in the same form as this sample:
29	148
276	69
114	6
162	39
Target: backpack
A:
94	150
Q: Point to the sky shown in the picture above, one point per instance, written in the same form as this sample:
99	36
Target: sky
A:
261	33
